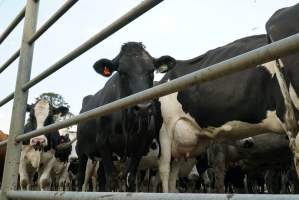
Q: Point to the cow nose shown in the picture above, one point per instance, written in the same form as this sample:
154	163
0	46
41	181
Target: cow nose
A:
38	141
143	108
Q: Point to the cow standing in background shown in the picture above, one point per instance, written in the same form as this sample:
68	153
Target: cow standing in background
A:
59	173
284	23
38	154
128	132
3	137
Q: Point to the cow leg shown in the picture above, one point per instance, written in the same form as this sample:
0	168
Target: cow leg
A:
174	173
273	181
207	182
88	174
94	176
64	181
24	177
131	173
110	170
164	162
45	181
219	171
81	171
102	177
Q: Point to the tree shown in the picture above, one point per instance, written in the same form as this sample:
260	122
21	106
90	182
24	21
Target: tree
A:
56	100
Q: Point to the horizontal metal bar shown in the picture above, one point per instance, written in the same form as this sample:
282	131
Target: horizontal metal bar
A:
51	195
10	60
60	12
252	58
143	7
13	24
6	99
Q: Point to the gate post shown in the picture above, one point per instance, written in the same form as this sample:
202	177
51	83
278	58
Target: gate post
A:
12	159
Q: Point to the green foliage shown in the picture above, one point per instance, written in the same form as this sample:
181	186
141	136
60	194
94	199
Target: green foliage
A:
56	100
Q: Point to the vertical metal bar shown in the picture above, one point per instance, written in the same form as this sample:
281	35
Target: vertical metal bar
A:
59	13
12	160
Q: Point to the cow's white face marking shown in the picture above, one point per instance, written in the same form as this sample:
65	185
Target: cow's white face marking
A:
41	112
294	96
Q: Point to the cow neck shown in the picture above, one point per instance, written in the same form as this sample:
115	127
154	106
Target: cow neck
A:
134	126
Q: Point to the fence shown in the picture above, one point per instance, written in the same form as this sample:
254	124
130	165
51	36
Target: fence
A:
9	183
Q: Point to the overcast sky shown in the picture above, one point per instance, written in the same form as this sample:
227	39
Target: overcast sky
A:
180	28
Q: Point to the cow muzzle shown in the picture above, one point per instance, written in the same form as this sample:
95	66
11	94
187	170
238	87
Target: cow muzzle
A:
143	109
38	141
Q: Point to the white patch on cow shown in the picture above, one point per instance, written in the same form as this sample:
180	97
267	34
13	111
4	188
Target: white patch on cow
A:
41	112
35	161
270	66
273	122
90	172
34	157
175	117
150	160
294	96
181	136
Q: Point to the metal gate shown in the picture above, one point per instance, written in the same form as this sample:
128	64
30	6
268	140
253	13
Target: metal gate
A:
23	84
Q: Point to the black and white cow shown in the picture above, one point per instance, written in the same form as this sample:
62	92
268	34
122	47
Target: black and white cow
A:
38	154
232	107
284	23
127	133
59	173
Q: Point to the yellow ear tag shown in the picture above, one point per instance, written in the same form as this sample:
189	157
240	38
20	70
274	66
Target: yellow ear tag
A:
106	71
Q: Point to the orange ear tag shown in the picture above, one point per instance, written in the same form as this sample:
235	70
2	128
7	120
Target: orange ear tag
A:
106	71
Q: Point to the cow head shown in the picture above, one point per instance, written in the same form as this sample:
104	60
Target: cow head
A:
135	67
63	153
41	114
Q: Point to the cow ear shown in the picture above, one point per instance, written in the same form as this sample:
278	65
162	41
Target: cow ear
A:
165	63
62	110
104	67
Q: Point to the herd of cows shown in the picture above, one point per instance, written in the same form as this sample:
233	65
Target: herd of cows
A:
225	135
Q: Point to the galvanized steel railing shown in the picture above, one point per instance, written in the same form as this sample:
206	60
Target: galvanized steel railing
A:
261	55
9	182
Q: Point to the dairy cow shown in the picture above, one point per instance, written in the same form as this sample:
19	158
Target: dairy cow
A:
128	132
284	23
38	153
232	107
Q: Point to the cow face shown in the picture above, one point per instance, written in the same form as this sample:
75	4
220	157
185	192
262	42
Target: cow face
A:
135	68
41	114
